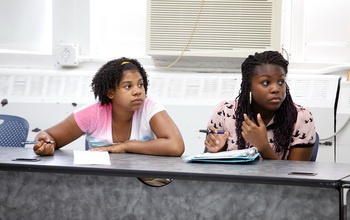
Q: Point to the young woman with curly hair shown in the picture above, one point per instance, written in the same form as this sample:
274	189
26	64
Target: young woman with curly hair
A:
122	120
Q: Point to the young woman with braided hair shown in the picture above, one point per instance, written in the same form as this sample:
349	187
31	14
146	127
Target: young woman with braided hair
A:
122	120
264	114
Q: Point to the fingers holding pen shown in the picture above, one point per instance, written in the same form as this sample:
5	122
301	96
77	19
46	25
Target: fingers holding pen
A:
215	139
44	148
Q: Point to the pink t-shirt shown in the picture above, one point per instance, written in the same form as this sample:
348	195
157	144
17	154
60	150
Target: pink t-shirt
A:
303	133
96	121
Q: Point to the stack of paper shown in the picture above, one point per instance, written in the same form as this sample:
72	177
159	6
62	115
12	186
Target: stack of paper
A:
232	156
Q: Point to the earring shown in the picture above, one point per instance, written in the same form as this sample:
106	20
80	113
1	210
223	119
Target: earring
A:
250	97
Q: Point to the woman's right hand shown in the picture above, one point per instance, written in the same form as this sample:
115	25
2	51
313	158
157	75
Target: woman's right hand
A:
214	142
45	146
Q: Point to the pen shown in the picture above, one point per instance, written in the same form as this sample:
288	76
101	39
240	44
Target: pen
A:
207	131
35	142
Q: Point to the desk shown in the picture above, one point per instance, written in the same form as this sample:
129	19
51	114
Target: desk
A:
345	198
55	188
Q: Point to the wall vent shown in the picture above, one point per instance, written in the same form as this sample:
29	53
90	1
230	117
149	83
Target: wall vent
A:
217	28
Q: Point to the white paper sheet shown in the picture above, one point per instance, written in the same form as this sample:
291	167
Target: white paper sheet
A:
228	154
91	157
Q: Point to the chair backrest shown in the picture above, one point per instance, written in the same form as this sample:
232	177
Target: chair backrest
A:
13	131
87	145
315	150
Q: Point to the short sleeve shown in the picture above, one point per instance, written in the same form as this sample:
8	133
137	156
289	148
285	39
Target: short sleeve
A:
92	117
217	119
223	118
141	128
152	108
304	133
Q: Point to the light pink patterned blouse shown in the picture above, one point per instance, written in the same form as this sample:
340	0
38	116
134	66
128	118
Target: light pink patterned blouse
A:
303	135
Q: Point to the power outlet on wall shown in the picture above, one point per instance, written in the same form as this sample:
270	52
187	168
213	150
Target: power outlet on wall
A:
67	55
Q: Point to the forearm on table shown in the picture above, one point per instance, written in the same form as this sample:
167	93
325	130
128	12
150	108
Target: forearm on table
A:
160	146
267	152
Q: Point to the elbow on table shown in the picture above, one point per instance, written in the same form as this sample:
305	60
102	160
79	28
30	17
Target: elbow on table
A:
178	149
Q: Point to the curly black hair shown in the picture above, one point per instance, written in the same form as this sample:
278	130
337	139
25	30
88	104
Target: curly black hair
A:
285	116
110	74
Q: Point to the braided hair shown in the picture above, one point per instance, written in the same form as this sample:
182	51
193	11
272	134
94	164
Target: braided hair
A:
285	116
110	74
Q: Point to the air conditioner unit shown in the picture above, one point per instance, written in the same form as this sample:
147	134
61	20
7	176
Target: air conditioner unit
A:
212	28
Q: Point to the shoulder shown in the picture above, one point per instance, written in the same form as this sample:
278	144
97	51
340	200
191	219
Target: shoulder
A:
226	105
149	108
89	116
152	104
305	120
150	101
225	109
93	111
304	130
303	112
92	107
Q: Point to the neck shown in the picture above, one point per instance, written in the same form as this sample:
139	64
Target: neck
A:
121	115
265	115
121	129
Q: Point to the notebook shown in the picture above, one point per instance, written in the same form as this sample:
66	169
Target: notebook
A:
232	156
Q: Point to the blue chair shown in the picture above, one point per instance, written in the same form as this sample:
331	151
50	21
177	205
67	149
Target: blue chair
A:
13	131
315	150
87	145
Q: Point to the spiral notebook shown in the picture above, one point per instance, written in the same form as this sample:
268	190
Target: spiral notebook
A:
232	156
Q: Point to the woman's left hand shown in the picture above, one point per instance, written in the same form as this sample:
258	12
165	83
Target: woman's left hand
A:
254	134
116	148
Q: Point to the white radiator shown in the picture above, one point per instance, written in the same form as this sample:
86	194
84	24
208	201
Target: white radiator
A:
44	97
343	124
318	93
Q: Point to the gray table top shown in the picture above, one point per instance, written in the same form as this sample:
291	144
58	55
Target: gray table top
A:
136	165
